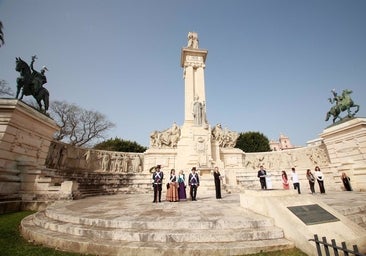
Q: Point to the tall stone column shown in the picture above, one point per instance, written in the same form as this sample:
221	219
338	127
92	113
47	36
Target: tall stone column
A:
193	63
194	146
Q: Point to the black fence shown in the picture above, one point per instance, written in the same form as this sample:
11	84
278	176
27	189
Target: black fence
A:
333	246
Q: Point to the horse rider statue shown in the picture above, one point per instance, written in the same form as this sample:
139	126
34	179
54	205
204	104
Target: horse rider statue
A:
342	102
30	82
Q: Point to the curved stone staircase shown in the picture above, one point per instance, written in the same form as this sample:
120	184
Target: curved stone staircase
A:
132	225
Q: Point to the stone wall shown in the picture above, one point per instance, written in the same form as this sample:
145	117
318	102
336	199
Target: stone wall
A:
239	168
346	144
25	136
35	168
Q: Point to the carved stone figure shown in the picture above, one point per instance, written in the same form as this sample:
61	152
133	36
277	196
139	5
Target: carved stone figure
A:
106	158
230	139
31	83
118	159
218	133
192	40
225	138
166	138
197	111
87	156
342	103
136	164
201	148
125	163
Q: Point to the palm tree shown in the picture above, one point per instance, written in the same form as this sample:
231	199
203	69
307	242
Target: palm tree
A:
2	42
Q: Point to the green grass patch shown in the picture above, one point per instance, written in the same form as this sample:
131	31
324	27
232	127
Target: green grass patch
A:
13	244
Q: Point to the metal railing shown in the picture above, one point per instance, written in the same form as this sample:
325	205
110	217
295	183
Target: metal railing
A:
333	246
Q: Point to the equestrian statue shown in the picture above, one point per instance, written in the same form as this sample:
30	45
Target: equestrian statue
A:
342	103
30	82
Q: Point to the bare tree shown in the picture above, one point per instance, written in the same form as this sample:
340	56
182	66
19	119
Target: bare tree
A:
5	89
78	126
2	40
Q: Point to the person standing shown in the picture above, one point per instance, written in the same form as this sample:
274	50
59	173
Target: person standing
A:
262	177
172	187
311	180
157	177
193	182
320	178
295	180
346	181
217	179
285	182
182	186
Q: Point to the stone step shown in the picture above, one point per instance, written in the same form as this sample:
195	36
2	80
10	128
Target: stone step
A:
359	218
130	224
100	246
140	233
165	220
166	223
150	231
353	210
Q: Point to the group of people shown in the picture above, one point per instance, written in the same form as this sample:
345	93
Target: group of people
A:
176	186
317	176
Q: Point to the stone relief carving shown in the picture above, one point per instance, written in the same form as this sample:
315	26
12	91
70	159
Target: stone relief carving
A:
117	162
105	160
201	148
304	157
225	138
137	164
64	156
165	139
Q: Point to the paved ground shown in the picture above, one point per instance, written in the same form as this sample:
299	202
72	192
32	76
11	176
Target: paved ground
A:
131	224
140	206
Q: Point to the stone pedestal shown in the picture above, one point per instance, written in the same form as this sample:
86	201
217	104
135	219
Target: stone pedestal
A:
25	137
346	145
194	148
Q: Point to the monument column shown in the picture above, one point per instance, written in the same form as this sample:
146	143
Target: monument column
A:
193	64
194	146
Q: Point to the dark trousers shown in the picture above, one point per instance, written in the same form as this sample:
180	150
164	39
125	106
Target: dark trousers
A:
297	186
157	192
321	186
312	187
218	188
263	183
193	192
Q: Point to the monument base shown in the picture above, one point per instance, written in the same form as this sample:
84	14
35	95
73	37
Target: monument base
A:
346	145
25	137
283	206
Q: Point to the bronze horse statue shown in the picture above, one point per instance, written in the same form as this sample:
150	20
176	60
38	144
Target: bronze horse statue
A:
31	83
343	102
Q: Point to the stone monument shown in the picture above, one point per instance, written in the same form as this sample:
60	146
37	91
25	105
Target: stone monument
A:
195	143
25	137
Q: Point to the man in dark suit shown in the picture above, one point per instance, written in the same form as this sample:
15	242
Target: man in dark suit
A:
262	177
193	182
157	177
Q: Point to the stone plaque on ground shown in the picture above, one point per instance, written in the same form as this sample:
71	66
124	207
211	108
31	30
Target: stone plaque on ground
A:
312	214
